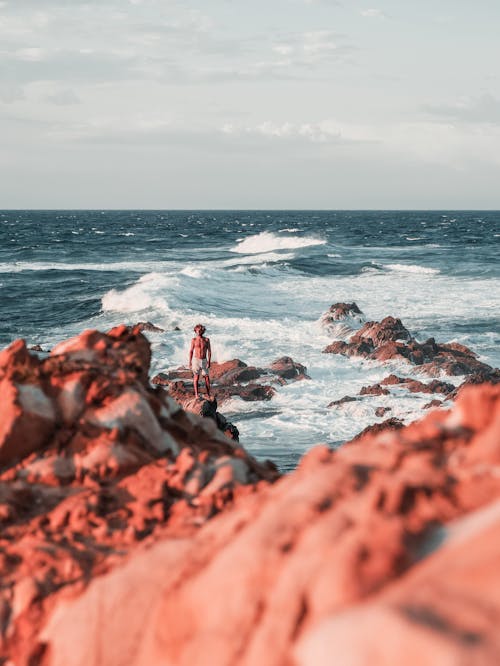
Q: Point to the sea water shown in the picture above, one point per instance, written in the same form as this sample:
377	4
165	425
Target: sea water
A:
259	281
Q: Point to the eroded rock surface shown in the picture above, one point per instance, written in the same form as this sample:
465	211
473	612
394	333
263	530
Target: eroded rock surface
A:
234	378
389	339
342	319
384	551
94	462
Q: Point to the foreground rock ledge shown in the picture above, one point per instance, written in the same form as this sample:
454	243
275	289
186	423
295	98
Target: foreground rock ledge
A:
95	464
385	551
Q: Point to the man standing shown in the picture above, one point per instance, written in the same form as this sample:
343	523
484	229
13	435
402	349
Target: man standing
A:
202	353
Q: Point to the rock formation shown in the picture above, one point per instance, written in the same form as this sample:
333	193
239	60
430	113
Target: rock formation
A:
382	552
234	378
93	462
342	319
134	532
391	340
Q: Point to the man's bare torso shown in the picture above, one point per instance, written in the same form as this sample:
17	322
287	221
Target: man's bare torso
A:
200	346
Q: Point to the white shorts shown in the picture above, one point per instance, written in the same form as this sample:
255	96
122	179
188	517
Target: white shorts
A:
199	366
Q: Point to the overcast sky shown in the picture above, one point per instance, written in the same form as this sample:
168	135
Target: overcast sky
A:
238	104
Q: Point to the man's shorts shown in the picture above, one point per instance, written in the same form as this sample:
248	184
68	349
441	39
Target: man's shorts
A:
199	366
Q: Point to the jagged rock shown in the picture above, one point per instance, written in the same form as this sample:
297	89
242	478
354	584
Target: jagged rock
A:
415	386
287	368
382	411
148	326
390	340
375	389
93	462
342	401
432	403
384	551
389	424
234	378
342	319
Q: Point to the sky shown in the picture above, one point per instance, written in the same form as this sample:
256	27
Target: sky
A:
281	104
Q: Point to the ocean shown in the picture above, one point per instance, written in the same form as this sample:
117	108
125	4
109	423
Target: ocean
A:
259	281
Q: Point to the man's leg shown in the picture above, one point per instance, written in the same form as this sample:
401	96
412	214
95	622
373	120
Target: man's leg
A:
196	378
207	384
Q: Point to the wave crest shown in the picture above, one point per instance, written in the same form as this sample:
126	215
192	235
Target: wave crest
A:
266	241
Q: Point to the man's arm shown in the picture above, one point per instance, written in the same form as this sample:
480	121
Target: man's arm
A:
191	353
209	353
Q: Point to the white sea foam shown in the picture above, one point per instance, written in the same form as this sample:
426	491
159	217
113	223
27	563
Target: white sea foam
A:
267	242
116	266
147	294
193	272
411	268
256	259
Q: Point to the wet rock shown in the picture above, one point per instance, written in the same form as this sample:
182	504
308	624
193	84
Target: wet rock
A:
342	319
389	424
35	348
374	389
149	327
432	403
381	411
342	401
286	368
234	378
390	340
491	376
416	386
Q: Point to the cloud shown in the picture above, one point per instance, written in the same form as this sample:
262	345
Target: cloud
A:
10	93
372	13
65	97
483	109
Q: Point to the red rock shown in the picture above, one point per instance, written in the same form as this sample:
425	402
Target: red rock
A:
381	411
92	463
342	401
342	319
383	551
390	340
378	333
287	368
375	389
148	326
389	424
432	403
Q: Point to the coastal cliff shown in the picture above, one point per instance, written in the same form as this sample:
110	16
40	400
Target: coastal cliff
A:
136	532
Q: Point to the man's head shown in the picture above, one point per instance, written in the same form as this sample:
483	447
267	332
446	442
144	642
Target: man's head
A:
199	329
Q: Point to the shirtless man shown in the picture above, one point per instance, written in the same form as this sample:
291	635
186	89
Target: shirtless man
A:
200	364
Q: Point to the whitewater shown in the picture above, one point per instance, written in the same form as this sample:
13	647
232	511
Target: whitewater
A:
259	281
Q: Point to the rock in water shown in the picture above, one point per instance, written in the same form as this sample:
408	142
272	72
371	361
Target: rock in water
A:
341	320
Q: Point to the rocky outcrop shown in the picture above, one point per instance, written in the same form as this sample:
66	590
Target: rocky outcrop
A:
93	463
384	551
390	340
234	378
342	319
148	327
